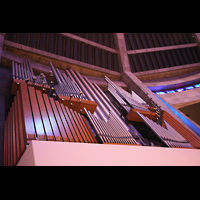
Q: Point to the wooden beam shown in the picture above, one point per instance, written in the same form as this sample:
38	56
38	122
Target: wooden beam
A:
58	61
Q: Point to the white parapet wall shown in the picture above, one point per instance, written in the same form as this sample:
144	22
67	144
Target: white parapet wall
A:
51	153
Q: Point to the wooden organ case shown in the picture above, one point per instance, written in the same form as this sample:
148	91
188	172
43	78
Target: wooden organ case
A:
74	109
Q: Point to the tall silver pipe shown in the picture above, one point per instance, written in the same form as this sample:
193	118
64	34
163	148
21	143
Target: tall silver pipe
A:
87	93
106	98
55	73
117	129
28	70
31	70
97	129
94	92
69	84
73	81
106	104
13	69
70	76
60	76
20	73
25	73
94	97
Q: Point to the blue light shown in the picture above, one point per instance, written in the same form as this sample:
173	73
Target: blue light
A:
170	91
185	120
197	85
180	89
189	87
160	92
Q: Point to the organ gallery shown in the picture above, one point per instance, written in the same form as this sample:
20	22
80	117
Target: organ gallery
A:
89	95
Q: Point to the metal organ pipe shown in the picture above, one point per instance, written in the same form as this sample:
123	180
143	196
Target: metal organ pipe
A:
70	76
31	70
55	73
106	98
60	76
98	111
106	103
13	69
102	109
19	70
94	92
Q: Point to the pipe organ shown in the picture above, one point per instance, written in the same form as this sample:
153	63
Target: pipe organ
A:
75	110
168	135
24	71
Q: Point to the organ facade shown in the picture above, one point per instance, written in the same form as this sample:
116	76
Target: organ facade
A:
90	88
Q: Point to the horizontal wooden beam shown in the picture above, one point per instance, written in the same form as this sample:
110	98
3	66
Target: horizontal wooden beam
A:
132	115
89	42
59	62
77	104
136	51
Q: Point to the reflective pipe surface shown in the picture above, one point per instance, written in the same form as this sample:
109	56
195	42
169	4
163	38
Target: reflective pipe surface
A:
108	106
13	69
94	92
55	73
106	98
87	93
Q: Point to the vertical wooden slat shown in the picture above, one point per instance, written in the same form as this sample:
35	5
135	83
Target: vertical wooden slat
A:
175	57
170	58
5	142
96	52
42	40
182	61
22	134
103	61
71	48
148	61
32	40
82	52
22	38
36	114
70	118
51	42
159	59
84	128
89	130
9	138
45	119
65	125
89	55
17	139
164	57
59	122
67	47
27	113
81	128
115	63
76	124
127	41
110	65
11	37
13	135
75	44
59	45
106	39
52	118
136	62
111	40
74	137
